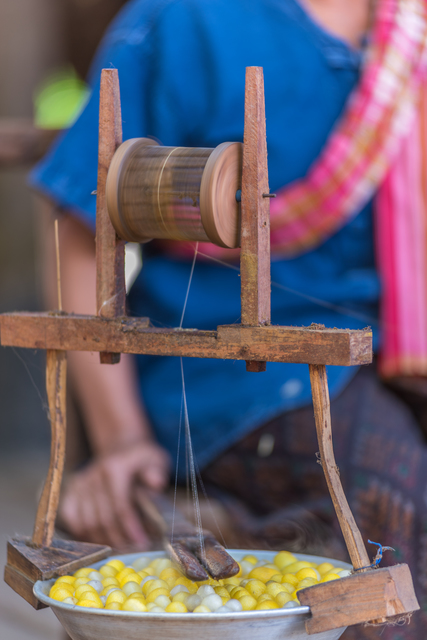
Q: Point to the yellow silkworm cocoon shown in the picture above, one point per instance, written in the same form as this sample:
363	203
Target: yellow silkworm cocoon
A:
255	587
248	603
283	559
116	596
83	572
131	577
262	573
308	572
155	593
274	588
296	566
134	604
325	567
251	559
108	571
222	592
88	603
330	576
82	589
266	604
117	564
176	607
289	578
282	598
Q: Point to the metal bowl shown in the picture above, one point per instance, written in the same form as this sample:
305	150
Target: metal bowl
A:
101	624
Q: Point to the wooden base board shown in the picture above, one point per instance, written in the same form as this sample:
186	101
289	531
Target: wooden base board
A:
371	596
27	563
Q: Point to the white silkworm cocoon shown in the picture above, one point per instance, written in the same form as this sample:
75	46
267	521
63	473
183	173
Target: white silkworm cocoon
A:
95	575
162	601
178	589
140	563
205	590
97	585
193	601
233	605
246	567
213	602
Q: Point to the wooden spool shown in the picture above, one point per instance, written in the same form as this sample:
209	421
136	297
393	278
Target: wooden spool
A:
175	193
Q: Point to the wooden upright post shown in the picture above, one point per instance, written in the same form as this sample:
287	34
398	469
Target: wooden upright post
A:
110	250
56	376
322	415
255	234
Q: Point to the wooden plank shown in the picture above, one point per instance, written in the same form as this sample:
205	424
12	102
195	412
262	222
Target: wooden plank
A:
360	598
131	335
255	216
56	376
23	586
21	143
27	563
322	416
61	557
110	250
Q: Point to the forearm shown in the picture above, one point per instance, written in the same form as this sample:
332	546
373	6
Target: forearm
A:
108	394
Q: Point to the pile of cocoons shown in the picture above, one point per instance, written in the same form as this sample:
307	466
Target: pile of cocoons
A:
158	586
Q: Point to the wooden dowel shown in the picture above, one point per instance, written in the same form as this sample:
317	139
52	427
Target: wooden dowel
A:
58	266
56	375
322	415
110	250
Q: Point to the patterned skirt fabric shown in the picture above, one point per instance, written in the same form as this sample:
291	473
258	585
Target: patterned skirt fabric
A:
275	493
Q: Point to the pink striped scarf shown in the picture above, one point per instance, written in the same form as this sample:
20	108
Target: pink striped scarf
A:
378	147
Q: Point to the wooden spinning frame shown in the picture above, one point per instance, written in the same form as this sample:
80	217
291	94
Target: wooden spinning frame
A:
368	595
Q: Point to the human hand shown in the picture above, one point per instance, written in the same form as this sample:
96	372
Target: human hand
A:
96	503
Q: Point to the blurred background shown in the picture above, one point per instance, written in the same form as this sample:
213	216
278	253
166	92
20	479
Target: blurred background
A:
38	38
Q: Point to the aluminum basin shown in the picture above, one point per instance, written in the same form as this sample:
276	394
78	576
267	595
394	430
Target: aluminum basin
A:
101	624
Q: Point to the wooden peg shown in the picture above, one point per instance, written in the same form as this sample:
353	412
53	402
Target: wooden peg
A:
255	214
110	250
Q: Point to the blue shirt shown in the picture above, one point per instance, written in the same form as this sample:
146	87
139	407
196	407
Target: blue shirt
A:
182	72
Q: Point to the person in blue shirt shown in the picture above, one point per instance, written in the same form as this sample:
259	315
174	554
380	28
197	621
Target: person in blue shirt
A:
182	71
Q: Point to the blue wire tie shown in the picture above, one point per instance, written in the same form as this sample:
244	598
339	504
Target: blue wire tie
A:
379	556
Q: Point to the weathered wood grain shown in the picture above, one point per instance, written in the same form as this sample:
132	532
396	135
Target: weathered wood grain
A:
363	597
56	377
21	143
181	538
110	250
234	342
27	563
322	415
255	216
